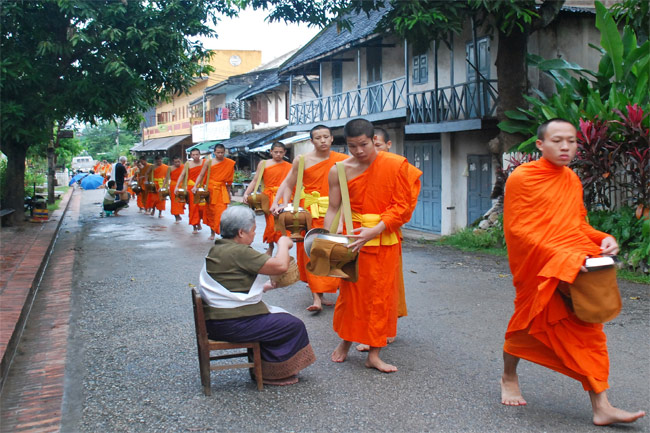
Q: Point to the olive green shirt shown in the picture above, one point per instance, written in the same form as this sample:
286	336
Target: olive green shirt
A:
234	266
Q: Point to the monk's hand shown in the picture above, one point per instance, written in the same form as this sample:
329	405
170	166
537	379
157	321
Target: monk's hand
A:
194	189
609	247
276	209
364	235
245	198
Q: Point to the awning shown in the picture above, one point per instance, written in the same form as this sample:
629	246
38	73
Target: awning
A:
160	143
249	140
285	141
204	147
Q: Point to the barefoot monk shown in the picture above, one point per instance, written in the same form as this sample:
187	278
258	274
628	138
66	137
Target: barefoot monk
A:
366	310
548	240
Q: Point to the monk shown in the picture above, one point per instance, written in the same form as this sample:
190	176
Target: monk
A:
366	311
194	166
143	172
160	171
222	174
548	240
314	198
275	170
383	143
177	208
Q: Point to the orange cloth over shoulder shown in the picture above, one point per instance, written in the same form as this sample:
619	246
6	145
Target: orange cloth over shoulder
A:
315	183
196	210
548	240
272	178
366	311
221	175
159	175
177	208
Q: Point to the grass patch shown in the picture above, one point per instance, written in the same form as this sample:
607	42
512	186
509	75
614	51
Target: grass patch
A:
488	241
634	277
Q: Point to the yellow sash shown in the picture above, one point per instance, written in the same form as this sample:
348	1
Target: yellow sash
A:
316	204
371	220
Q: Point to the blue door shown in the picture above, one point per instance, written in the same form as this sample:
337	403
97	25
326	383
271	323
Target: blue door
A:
479	186
425	155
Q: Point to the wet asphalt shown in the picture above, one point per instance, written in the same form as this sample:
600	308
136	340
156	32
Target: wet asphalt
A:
132	360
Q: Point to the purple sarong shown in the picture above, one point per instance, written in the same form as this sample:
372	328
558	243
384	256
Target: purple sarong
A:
281	335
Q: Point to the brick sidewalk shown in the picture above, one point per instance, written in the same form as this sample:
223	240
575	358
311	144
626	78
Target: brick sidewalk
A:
24	252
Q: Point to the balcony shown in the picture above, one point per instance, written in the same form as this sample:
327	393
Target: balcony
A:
376	102
458	103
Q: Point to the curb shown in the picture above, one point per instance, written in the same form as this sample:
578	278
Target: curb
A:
14	339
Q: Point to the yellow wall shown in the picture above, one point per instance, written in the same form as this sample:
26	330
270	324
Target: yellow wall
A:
220	60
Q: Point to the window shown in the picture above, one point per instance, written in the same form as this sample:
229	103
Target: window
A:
420	68
337	78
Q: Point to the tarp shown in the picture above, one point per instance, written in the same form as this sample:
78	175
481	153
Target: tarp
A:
92	181
77	177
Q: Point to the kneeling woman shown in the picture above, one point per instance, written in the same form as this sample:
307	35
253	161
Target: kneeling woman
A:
231	287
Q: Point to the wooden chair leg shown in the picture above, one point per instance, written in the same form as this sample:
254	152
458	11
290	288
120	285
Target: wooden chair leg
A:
204	366
257	359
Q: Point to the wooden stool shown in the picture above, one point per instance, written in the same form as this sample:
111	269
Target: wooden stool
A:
205	346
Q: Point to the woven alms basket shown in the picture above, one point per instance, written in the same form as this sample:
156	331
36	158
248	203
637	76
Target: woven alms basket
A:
288	278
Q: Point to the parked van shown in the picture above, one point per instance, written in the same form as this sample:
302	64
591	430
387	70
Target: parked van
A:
82	163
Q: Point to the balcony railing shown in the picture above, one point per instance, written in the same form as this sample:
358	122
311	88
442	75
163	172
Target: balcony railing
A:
459	102
378	98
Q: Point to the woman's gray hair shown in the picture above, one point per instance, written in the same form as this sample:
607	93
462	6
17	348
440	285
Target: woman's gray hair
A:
236	218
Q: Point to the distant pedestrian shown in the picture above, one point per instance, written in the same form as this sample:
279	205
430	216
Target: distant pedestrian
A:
119	174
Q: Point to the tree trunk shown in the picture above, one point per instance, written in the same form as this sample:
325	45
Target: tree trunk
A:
512	81
14	194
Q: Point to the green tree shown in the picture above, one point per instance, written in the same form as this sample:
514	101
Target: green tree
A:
108	140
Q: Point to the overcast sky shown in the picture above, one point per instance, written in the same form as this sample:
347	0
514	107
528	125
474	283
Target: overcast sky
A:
250	32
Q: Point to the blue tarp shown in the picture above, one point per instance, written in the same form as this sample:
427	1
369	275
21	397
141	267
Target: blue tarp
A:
77	177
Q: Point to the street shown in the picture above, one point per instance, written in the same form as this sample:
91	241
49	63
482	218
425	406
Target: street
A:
132	361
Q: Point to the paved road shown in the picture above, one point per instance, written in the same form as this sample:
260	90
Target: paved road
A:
133	367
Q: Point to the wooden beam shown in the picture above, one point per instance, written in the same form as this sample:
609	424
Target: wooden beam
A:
311	86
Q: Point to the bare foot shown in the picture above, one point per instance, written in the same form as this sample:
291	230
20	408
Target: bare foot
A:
281	382
606	414
199	227
316	305
363	347
612	415
160	216
510	393
195	232
325	301
390	340
374	361
340	354
211	238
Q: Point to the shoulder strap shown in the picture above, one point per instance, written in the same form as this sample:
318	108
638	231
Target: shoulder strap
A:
186	171
168	176
259	176
345	202
298	192
206	182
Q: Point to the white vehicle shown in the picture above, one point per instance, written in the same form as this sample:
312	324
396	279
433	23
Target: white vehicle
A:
82	163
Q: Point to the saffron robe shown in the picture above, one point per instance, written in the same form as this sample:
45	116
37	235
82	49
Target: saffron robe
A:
366	311
221	175
153	199
196	210
272	178
142	177
316	200
177	208
414	184
548	240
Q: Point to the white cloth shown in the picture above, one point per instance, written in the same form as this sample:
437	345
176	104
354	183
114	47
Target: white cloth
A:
217	296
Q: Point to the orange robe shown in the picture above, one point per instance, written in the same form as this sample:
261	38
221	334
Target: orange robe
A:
221	175
159	175
142	177
414	183
273	177
316	190
177	208
196	210
548	239
366	311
